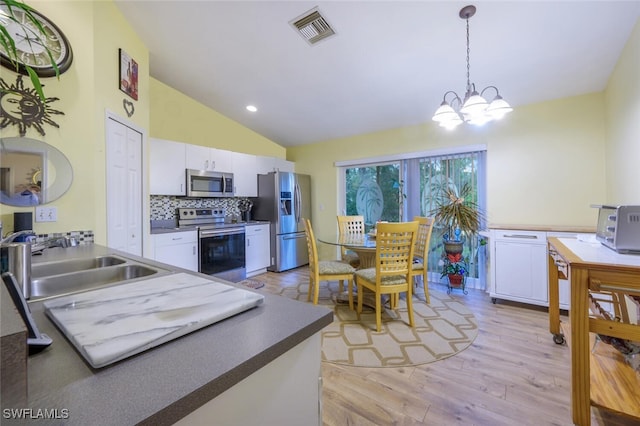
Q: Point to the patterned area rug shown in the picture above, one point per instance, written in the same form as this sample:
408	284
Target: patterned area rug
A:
442	329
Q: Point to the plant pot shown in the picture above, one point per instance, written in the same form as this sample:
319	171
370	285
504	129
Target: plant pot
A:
455	279
453	247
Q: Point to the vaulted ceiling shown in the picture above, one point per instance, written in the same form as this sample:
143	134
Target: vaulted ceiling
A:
387	66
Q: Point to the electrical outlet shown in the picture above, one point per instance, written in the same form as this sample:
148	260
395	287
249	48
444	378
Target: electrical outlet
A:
46	214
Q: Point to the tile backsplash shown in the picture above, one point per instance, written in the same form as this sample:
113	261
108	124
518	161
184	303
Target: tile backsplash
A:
163	207
82	237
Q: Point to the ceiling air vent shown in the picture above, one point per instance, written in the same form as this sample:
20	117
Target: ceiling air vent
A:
313	27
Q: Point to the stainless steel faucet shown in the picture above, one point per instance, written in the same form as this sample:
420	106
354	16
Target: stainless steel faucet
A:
16	257
12	236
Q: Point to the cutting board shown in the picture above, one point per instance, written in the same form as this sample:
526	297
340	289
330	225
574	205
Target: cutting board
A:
113	323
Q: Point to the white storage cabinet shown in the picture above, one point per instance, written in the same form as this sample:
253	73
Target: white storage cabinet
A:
266	165
520	266
244	175
167	167
257	248
177	248
210	159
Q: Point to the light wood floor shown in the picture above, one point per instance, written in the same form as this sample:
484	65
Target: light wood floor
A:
513	374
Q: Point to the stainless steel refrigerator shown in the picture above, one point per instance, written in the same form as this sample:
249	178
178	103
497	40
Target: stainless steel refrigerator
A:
284	199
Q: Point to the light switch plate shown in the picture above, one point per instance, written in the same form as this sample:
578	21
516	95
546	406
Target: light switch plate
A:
46	214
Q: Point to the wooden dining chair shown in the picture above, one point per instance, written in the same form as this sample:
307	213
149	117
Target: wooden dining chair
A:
350	225
421	253
395	246
325	270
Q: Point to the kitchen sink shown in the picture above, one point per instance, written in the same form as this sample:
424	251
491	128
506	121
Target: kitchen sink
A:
39	270
89	279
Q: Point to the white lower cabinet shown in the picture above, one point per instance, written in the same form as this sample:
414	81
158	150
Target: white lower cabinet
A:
520	266
257	249
177	249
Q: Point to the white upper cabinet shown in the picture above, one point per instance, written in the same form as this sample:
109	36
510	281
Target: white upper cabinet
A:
169	160
167	167
244	175
222	160
272	164
198	157
210	159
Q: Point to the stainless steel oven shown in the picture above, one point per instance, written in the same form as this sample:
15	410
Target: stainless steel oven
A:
222	252
221	245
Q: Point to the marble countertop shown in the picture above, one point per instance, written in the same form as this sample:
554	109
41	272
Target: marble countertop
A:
113	323
161	385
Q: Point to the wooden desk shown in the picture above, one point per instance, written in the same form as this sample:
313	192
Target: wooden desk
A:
592	266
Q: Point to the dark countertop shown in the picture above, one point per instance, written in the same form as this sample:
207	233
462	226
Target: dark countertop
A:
163	384
167	226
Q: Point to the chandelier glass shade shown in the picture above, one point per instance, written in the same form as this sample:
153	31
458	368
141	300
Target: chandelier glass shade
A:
473	108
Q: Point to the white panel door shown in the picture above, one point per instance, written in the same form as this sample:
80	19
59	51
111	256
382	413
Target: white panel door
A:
124	188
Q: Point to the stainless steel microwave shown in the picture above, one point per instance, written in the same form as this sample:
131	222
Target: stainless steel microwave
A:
206	184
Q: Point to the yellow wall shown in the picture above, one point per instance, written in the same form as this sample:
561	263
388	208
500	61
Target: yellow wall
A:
622	100
177	117
545	161
95	30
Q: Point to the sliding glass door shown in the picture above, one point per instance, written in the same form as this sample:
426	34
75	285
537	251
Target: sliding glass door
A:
375	192
399	190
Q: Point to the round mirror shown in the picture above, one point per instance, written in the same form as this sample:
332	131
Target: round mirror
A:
32	172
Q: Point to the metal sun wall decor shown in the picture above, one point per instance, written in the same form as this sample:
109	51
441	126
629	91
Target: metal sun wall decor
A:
21	106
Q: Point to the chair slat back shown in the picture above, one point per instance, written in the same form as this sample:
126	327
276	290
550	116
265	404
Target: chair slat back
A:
311	246
423	239
395	245
351	225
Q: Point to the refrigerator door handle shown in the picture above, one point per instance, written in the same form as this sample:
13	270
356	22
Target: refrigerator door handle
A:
297	202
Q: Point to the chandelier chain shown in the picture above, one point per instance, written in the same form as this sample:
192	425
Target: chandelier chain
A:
471	108
468	54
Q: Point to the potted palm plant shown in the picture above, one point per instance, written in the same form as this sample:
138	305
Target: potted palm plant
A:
458	215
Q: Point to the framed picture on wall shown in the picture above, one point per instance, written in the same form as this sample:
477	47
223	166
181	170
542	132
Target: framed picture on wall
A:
128	75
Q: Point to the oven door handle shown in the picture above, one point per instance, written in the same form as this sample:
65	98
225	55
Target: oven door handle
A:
221	232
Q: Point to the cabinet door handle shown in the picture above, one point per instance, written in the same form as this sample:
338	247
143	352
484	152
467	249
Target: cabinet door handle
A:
194	250
528	237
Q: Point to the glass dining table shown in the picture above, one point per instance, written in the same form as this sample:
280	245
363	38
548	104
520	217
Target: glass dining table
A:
364	245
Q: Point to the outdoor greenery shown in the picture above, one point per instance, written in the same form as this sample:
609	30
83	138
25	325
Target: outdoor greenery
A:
378	205
382	190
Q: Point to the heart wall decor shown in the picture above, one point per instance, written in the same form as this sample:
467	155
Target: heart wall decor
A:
128	107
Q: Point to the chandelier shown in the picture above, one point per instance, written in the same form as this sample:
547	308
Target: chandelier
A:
473	108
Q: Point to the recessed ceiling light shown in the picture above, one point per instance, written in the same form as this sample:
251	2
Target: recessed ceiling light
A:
251	108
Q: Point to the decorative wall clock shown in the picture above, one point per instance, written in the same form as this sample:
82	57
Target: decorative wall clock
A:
22	107
31	44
